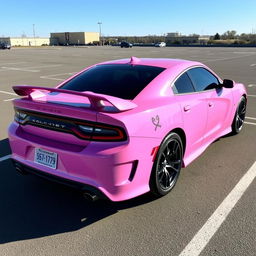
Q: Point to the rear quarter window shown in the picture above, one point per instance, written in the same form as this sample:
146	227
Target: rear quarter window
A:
183	85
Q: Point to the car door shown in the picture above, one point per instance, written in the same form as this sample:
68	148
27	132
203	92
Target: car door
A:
219	102
194	111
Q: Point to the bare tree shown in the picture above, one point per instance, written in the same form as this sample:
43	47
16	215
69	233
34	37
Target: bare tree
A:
230	34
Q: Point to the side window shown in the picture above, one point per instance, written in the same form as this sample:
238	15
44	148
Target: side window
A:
183	85
202	79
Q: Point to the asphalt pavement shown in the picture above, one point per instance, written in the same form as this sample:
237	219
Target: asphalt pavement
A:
38	217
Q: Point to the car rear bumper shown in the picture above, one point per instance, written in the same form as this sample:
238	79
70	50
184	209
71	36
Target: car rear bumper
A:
74	184
118	170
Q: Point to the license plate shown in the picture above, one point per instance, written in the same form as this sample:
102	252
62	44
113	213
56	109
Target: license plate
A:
46	158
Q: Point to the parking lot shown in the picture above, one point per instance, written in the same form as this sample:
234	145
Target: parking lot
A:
205	214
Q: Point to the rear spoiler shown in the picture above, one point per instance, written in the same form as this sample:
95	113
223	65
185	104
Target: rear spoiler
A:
96	100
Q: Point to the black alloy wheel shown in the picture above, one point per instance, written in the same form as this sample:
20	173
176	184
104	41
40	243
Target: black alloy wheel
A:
167	166
238	121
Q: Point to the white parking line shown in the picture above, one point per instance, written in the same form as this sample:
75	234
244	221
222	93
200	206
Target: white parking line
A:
249	95
237	57
13	63
45	66
252	65
248	117
5	158
251	85
243	52
53	77
204	235
250	123
29	69
11	99
9	93
18	69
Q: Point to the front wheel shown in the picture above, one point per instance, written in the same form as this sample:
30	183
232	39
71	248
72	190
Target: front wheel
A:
167	166
238	121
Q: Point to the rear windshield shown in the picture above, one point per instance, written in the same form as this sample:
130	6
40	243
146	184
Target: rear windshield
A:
120	80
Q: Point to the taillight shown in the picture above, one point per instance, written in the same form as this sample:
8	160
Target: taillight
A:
82	129
100	132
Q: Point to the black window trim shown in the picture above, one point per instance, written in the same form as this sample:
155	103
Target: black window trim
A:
189	80
183	72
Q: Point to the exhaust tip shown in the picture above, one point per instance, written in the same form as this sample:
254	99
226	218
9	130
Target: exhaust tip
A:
90	196
20	170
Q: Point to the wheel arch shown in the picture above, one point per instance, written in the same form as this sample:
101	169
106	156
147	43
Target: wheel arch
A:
180	132
182	135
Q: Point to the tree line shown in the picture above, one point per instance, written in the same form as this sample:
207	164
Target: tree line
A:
229	37
232	37
149	39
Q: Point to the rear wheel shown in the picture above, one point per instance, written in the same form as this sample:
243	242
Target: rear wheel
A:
167	166
238	121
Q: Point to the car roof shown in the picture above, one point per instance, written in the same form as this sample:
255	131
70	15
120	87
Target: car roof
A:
156	62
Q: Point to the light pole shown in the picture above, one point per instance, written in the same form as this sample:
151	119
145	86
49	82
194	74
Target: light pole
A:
34	34
100	23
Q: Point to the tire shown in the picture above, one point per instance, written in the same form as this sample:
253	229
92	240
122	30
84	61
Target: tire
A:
239	117
167	165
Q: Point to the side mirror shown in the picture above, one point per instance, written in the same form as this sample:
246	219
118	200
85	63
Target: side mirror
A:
228	83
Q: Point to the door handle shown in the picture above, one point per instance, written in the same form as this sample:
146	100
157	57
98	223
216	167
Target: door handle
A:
187	108
210	104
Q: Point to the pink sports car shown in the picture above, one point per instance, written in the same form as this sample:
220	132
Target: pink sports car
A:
121	128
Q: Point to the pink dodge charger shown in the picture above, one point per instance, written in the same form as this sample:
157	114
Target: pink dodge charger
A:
121	128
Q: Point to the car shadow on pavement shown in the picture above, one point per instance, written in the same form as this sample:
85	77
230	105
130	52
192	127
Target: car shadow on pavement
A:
31	207
4	148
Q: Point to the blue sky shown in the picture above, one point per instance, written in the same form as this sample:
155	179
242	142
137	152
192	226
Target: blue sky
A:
131	17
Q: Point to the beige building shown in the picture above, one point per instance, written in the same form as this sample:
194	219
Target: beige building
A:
74	38
25	41
203	39
177	38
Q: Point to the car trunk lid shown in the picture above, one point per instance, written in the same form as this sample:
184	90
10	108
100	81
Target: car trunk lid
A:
68	116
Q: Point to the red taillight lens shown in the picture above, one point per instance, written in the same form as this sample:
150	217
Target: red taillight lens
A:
83	129
108	133
100	132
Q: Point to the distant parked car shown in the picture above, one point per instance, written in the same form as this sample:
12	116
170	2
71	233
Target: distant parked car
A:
5	46
126	45
161	44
